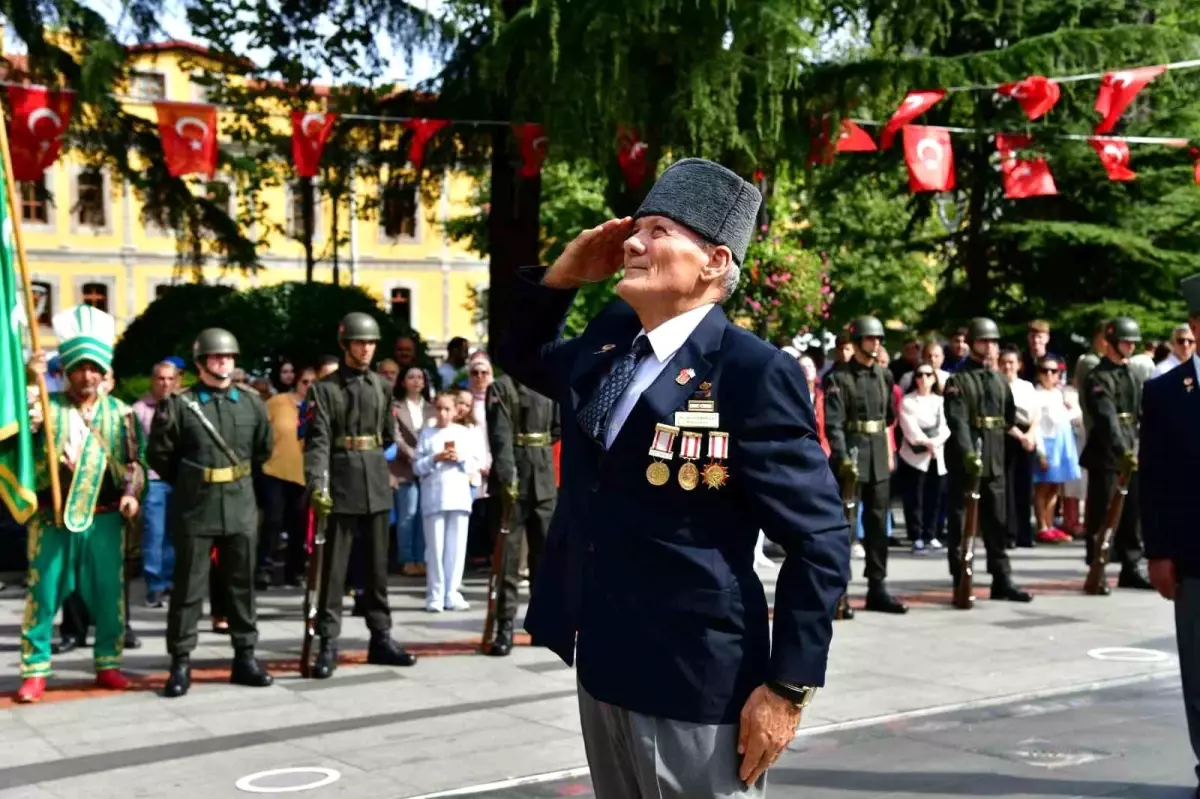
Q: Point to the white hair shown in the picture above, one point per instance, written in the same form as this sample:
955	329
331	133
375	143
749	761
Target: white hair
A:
729	280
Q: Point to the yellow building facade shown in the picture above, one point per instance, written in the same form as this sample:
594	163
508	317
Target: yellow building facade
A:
87	241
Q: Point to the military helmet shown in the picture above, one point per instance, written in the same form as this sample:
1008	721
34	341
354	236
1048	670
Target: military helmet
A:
865	326
358	326
982	329
1122	329
215	341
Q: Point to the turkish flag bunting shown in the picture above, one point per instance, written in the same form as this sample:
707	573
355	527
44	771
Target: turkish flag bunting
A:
189	138
853	139
1117	91
1022	177
1114	155
39	119
1194	152
915	104
423	130
310	131
533	142
1037	94
929	157
631	156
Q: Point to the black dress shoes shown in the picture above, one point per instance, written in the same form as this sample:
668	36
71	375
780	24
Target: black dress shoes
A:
1006	591
880	600
180	679
68	643
502	646
1133	578
383	651
326	663
248	671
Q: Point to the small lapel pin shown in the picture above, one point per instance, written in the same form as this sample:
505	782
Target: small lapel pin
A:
1187	383
606	348
684	376
705	386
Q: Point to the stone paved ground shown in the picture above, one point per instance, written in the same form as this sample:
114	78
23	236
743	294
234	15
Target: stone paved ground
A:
458	719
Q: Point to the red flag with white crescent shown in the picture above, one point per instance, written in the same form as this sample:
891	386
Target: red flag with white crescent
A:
533	143
423	130
915	104
1114	154
930	158
1117	91
310	131
1022	177
1037	94
1194	152
39	120
853	139
631	157
189	138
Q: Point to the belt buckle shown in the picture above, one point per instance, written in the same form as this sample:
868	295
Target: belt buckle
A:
223	474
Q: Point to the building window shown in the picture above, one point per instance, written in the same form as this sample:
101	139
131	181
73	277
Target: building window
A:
402	308
148	86
43	300
96	295
89	205
398	213
295	210
35	202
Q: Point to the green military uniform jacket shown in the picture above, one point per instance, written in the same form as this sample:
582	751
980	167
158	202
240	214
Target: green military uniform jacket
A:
856	394
349	404
1112	397
110	465
522	427
979	407
211	496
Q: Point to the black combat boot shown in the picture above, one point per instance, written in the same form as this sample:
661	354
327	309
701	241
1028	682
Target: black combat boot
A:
1132	577
326	662
383	651
246	670
1003	589
131	638
180	678
502	646
880	600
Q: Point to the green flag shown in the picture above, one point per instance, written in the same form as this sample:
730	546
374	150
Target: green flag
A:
17	486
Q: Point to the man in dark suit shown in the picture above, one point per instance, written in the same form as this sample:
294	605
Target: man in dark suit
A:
1169	462
683	436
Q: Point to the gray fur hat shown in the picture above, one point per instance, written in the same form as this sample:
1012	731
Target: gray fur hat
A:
1191	294
708	198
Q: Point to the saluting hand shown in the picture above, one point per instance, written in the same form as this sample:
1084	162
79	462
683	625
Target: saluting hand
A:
594	255
767	725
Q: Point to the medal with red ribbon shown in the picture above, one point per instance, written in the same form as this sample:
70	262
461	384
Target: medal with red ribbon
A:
689	450
662	449
715	473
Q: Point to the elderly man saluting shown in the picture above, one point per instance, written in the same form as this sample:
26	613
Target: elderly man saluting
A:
683	435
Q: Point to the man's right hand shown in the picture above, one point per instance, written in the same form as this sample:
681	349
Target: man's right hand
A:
593	256
322	502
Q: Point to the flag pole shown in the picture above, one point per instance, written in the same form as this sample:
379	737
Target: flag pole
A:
14	213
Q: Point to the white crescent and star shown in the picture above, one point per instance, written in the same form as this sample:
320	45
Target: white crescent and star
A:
306	123
637	149
1118	154
914	100
1122	79
931	146
183	123
44	113
540	142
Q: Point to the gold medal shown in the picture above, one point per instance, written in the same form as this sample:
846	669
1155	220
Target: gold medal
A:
715	475
657	474
689	476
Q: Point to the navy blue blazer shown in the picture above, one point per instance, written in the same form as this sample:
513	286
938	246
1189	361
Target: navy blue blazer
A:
1168	462
652	590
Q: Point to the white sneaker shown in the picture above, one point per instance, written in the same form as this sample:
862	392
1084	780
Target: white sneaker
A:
918	547
433	608
858	552
458	603
935	544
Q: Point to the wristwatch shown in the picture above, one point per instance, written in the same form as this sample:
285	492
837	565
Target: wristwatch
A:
799	695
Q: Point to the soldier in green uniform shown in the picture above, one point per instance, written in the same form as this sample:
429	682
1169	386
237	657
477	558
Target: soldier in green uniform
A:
347	475
1111	397
522	428
859	408
979	408
98	455
205	442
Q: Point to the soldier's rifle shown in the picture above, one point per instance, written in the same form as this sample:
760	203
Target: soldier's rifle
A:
312	583
1097	581
850	508
496	578
964	590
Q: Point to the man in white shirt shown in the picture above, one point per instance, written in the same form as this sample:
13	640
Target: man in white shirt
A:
1183	347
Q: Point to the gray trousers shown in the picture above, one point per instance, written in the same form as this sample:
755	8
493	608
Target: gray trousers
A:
633	756
1187	637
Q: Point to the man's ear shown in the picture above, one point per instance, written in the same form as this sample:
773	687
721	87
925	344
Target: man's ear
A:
719	260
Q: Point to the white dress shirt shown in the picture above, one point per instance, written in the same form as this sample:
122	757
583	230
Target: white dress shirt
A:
665	340
1165	365
917	414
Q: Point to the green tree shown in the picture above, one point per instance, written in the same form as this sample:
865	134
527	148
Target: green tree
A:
1091	247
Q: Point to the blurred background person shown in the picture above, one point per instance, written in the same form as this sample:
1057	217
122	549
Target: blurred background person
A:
1057	453
922	457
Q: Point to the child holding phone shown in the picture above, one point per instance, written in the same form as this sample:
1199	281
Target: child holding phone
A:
445	458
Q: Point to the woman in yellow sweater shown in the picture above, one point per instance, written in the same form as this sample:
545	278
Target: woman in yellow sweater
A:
283	485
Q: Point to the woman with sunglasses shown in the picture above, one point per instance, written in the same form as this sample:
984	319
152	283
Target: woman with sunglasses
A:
1058	456
922	457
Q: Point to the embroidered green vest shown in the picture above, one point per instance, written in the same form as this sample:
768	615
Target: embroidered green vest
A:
79	505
